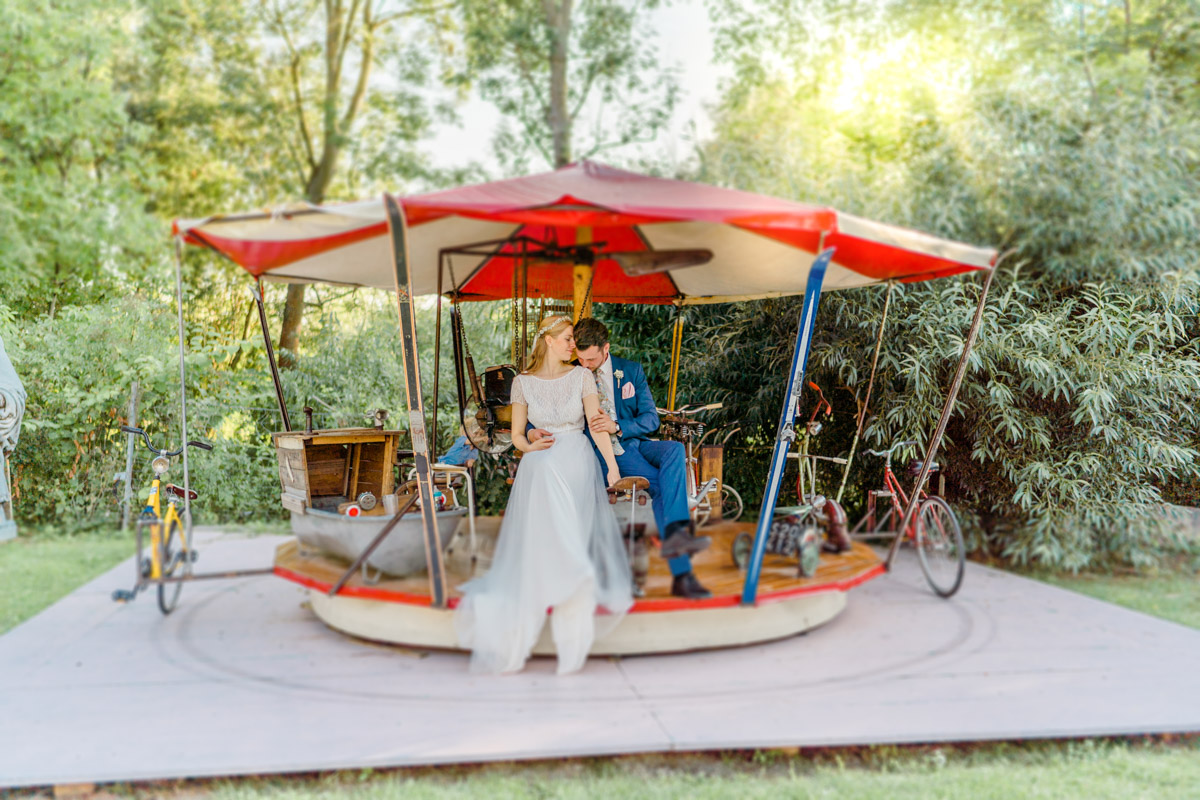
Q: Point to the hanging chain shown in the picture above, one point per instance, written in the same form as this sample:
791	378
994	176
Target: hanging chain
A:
587	294
516	318
461	333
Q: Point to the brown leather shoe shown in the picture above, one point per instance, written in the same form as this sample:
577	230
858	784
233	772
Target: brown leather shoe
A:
687	587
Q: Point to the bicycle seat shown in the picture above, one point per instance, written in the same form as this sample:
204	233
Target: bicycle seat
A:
178	491
630	483
914	467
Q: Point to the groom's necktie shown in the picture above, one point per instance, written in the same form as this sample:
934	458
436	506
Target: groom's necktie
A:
609	405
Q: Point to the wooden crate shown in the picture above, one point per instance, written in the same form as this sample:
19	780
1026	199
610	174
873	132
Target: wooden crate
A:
712	465
326	468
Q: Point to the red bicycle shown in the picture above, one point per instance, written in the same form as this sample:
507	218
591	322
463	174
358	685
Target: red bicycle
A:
933	530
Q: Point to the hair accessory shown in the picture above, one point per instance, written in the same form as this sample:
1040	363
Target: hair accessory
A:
549	323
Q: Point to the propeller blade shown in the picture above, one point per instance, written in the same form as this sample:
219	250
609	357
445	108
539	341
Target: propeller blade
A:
648	262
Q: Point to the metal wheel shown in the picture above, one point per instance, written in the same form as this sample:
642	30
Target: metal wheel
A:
940	546
740	550
172	561
809	551
731	503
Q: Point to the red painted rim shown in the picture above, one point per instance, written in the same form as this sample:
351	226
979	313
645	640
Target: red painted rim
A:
639	607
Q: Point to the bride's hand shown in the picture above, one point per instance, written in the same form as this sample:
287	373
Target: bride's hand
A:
542	443
614	475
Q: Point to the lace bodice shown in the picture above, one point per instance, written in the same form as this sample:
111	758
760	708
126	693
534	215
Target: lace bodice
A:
557	404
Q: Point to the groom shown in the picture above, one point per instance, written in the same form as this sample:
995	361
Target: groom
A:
627	414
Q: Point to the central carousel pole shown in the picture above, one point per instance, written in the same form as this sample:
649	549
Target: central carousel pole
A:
786	433
398	229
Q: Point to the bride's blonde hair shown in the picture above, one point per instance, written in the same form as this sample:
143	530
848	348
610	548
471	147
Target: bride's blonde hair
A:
551	326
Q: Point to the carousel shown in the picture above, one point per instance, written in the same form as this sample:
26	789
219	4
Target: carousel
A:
385	533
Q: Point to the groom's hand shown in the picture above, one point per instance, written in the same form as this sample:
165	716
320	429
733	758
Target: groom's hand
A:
537	434
602	423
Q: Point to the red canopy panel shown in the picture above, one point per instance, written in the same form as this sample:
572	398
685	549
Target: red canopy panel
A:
493	279
762	246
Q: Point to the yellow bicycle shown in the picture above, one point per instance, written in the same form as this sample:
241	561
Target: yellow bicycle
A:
170	548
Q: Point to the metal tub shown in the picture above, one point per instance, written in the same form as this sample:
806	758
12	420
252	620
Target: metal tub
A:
401	553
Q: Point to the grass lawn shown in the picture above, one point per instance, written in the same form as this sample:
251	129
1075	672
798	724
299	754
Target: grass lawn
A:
40	567
1088	769
37	570
1170	595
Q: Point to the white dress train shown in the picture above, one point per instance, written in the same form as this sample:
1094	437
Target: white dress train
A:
559	546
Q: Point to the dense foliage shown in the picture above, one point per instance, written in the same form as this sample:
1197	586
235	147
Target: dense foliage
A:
1080	416
1066	132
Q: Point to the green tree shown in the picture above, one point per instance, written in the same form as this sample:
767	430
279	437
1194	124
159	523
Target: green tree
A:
72	228
1079	416
330	52
547	64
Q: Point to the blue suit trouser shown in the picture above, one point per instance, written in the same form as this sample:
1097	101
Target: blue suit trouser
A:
663	465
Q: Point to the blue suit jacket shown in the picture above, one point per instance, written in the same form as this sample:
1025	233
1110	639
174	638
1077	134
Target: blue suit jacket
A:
636	414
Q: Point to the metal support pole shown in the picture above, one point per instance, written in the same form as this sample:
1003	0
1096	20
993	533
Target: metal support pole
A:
947	410
131	420
437	363
676	352
370	548
786	432
257	293
187	503
862	412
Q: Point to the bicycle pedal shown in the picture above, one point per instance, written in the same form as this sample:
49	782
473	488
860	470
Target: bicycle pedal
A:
122	596
193	555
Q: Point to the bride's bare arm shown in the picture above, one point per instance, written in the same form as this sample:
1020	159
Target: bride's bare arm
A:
520	416
591	405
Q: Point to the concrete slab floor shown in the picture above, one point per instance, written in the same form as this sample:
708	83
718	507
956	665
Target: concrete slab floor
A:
242	679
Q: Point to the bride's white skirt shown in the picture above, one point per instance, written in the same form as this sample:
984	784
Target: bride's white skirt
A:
559	548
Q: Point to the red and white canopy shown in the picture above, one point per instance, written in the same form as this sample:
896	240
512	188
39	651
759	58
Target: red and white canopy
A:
762	246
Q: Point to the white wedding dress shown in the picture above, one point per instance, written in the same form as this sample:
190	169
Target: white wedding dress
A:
559	547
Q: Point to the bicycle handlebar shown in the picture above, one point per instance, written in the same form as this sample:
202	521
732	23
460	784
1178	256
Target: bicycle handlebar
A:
891	449
168	453
686	410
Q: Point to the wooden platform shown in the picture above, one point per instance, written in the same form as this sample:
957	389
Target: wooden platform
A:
399	610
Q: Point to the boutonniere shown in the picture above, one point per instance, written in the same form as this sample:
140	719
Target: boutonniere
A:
618	374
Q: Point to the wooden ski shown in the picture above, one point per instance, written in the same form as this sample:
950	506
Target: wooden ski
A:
786	433
397	226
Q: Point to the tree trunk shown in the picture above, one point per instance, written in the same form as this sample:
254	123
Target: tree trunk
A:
337	41
558	19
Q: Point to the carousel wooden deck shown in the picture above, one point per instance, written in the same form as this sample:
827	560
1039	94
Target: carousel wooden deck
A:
399	610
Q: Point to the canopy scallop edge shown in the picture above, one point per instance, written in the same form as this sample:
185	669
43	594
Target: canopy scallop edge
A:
762	246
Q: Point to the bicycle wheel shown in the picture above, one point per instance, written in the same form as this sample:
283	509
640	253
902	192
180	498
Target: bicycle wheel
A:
172	559
731	503
940	546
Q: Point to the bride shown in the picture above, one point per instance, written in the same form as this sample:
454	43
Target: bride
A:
559	545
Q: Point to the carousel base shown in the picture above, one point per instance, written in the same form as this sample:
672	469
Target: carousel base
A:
399	610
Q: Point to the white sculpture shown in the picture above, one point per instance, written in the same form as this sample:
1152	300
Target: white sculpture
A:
12	408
